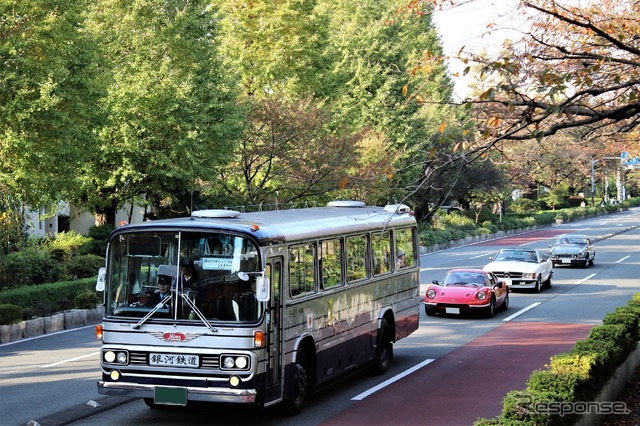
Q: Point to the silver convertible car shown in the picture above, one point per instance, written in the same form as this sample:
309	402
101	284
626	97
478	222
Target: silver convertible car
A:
522	268
572	249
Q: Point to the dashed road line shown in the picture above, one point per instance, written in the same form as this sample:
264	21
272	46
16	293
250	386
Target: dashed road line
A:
391	380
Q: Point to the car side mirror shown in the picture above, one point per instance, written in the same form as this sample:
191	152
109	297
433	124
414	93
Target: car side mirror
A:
435	282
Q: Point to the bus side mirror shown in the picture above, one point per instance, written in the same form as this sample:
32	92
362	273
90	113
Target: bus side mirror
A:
262	288
102	273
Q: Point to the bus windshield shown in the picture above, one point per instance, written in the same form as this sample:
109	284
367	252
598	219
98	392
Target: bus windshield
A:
201	276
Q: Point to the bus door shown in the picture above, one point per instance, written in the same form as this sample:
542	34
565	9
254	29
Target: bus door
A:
274	376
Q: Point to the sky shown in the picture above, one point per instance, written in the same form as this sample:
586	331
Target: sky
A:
468	25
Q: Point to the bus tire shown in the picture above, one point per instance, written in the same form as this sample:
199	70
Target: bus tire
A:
383	350
298	384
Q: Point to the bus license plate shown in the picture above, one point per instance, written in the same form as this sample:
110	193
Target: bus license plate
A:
170	396
452	310
174	360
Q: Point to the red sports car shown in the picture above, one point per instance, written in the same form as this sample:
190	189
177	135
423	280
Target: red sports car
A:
467	290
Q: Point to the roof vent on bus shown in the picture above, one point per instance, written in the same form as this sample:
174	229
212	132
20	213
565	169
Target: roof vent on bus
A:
346	203
215	214
397	208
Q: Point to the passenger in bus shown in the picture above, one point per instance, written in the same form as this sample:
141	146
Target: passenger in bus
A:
188	274
400	261
164	289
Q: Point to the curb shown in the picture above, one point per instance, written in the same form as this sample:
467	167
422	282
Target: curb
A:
35	327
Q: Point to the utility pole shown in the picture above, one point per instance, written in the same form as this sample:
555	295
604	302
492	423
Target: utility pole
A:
593	184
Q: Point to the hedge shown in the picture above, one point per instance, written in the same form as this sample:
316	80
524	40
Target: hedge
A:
42	300
576	376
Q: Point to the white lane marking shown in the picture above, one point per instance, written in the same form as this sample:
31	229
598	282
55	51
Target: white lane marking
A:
391	380
586	279
481	255
69	360
526	244
521	311
623	259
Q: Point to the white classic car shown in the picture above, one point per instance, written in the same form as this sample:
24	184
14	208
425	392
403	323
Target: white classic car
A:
521	268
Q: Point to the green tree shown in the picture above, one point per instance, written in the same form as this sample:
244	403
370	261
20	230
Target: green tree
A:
380	45
48	94
277	47
172	108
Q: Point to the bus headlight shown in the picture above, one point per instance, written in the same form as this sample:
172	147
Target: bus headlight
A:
235	362
118	357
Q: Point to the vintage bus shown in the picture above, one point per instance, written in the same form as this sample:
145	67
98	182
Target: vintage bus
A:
256	308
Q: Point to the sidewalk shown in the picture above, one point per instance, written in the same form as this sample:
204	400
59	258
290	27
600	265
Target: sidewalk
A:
468	383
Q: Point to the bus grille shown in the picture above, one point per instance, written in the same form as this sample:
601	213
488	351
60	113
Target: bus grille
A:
206	361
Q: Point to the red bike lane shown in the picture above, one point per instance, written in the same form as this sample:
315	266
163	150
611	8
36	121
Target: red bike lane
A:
468	383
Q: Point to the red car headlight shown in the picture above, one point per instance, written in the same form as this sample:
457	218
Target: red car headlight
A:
481	295
431	293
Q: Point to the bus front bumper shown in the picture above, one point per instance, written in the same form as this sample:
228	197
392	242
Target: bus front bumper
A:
237	396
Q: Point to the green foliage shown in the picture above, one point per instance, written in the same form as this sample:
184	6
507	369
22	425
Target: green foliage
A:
86	300
524	205
29	266
83	266
13	226
172	110
66	244
49	93
44	300
10	314
628	316
556	198
99	237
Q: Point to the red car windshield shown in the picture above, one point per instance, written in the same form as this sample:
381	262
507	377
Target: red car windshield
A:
464	278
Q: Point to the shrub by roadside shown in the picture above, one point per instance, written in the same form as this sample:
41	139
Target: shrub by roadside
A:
44	300
576	376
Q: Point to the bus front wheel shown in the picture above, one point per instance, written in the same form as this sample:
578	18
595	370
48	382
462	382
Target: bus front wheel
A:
299	384
384	349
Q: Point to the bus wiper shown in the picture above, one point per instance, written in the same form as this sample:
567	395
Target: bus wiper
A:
153	311
165	301
198	313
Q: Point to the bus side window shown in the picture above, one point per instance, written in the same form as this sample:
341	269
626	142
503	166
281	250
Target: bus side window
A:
405	255
356	258
381	246
302	269
330	263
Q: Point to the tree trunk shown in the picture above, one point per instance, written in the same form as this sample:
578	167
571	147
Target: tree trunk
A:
106	216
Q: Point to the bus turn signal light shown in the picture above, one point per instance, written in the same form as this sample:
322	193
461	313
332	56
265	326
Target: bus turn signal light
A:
258	339
99	332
